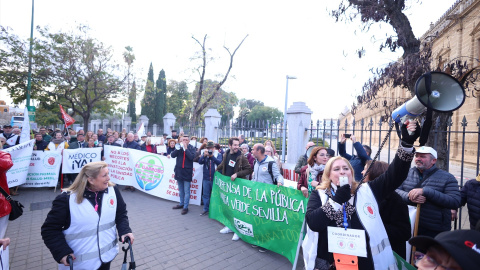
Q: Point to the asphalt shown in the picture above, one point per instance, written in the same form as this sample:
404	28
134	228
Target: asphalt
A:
164	239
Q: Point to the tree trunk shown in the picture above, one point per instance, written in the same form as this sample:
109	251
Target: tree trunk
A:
438	137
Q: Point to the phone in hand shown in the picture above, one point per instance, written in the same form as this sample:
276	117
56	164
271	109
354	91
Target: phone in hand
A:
343	180
347	136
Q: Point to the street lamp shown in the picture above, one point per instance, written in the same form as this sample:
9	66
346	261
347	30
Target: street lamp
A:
285	118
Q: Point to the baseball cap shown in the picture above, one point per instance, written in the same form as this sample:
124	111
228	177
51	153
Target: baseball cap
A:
427	150
210	144
462	245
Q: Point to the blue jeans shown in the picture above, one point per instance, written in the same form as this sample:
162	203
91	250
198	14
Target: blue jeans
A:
184	190
207	191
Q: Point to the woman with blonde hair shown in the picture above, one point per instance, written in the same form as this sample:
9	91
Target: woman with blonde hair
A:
84	220
340	205
270	143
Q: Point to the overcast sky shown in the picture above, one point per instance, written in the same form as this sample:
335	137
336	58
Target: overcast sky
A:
296	38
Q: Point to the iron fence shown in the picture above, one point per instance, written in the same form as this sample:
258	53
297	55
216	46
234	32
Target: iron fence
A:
463	147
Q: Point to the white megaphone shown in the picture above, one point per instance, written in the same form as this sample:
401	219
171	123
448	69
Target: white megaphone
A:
436	90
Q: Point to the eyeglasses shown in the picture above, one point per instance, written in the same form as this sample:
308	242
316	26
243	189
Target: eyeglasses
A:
427	262
324	155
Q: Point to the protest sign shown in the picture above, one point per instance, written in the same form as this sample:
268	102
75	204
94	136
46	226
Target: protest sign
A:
44	169
261	214
75	159
21	155
150	173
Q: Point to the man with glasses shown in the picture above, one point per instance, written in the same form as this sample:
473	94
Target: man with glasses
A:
45	136
454	250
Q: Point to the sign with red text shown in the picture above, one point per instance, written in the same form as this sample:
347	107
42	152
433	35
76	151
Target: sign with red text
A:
75	159
44	169
21	155
150	173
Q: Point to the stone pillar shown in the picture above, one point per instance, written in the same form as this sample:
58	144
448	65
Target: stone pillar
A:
154	131
127	122
98	122
298	119
212	122
143	119
105	123
168	123
116	126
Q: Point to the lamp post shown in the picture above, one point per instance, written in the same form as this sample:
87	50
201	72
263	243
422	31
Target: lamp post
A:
29	84
284	135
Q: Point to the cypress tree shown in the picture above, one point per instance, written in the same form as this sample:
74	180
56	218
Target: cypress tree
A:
148	102
160	97
131	102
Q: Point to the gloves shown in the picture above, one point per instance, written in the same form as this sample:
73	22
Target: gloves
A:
407	139
342	195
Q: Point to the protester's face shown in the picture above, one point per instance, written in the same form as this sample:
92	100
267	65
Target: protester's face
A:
7	130
437	258
185	140
58	136
309	144
17	131
80	137
268	144
244	149
234	146
115	135
91	142
149	134
129	137
111	139
100	132
100	182
38	137
171	144
424	161
43	131
340	169
321	157
174	133
135	137
90	133
94	137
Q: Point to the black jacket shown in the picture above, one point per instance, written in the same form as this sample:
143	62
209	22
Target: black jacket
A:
41	145
58	220
471	196
184	163
131	145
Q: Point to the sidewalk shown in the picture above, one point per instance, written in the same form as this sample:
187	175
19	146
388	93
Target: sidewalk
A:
164	239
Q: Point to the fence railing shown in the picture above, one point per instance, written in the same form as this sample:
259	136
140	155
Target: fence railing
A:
463	144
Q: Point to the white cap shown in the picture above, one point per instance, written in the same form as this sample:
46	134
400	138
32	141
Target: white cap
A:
427	150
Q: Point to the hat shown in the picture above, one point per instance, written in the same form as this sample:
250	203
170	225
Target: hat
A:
210	144
144	135
462	245
427	150
7	126
169	137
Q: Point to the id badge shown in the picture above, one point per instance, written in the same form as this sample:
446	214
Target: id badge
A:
350	241
231	163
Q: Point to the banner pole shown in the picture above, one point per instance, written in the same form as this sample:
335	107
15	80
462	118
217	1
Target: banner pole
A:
415	232
300	241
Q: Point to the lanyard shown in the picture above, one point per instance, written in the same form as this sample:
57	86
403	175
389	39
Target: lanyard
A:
345	221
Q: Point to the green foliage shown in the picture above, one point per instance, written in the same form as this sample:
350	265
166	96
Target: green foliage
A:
68	68
178	100
223	101
246	106
148	101
260	112
131	102
161	97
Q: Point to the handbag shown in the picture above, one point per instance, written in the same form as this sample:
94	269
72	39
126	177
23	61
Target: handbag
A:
17	210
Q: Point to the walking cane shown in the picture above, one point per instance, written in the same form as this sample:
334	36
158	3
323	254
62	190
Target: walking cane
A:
415	231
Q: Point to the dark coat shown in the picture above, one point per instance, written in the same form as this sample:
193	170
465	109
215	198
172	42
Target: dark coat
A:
471	195
209	164
184	163
318	221
58	220
77	144
131	145
41	145
357	161
442	194
242	167
395	217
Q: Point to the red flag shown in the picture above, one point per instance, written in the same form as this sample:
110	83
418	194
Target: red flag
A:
67	118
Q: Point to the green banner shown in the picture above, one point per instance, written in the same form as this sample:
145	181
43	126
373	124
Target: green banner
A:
261	214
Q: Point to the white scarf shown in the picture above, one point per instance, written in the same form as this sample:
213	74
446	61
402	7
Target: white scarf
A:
58	148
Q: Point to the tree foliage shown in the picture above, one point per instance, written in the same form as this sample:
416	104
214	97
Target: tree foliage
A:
148	101
129	57
223	101
161	97
178	98
246	106
132	98
265	113
68	68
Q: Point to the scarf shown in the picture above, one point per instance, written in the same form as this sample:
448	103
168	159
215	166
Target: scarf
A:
57	141
337	216
313	172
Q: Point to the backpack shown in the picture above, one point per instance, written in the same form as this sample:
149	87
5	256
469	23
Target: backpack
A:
270	170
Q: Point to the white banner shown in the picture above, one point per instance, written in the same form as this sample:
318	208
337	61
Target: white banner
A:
21	155
150	173
75	159
44	169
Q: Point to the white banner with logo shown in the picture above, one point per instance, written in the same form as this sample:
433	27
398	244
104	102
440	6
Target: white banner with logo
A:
75	159
44	169
21	155
150	173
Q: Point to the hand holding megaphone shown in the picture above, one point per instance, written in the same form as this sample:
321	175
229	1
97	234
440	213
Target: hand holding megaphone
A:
410	133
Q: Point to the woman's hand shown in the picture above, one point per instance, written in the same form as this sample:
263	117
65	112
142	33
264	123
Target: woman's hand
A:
129	235
304	191
5	242
409	139
64	259
342	195
314	183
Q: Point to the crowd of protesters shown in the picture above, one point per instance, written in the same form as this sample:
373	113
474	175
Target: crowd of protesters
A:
334	185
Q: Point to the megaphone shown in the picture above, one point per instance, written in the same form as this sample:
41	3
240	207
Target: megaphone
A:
309	151
436	90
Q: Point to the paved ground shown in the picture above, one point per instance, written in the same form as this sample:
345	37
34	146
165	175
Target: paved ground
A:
164	239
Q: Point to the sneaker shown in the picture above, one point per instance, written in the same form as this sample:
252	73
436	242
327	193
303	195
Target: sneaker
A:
177	207
235	237
262	250
184	211
226	230
204	213
254	246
